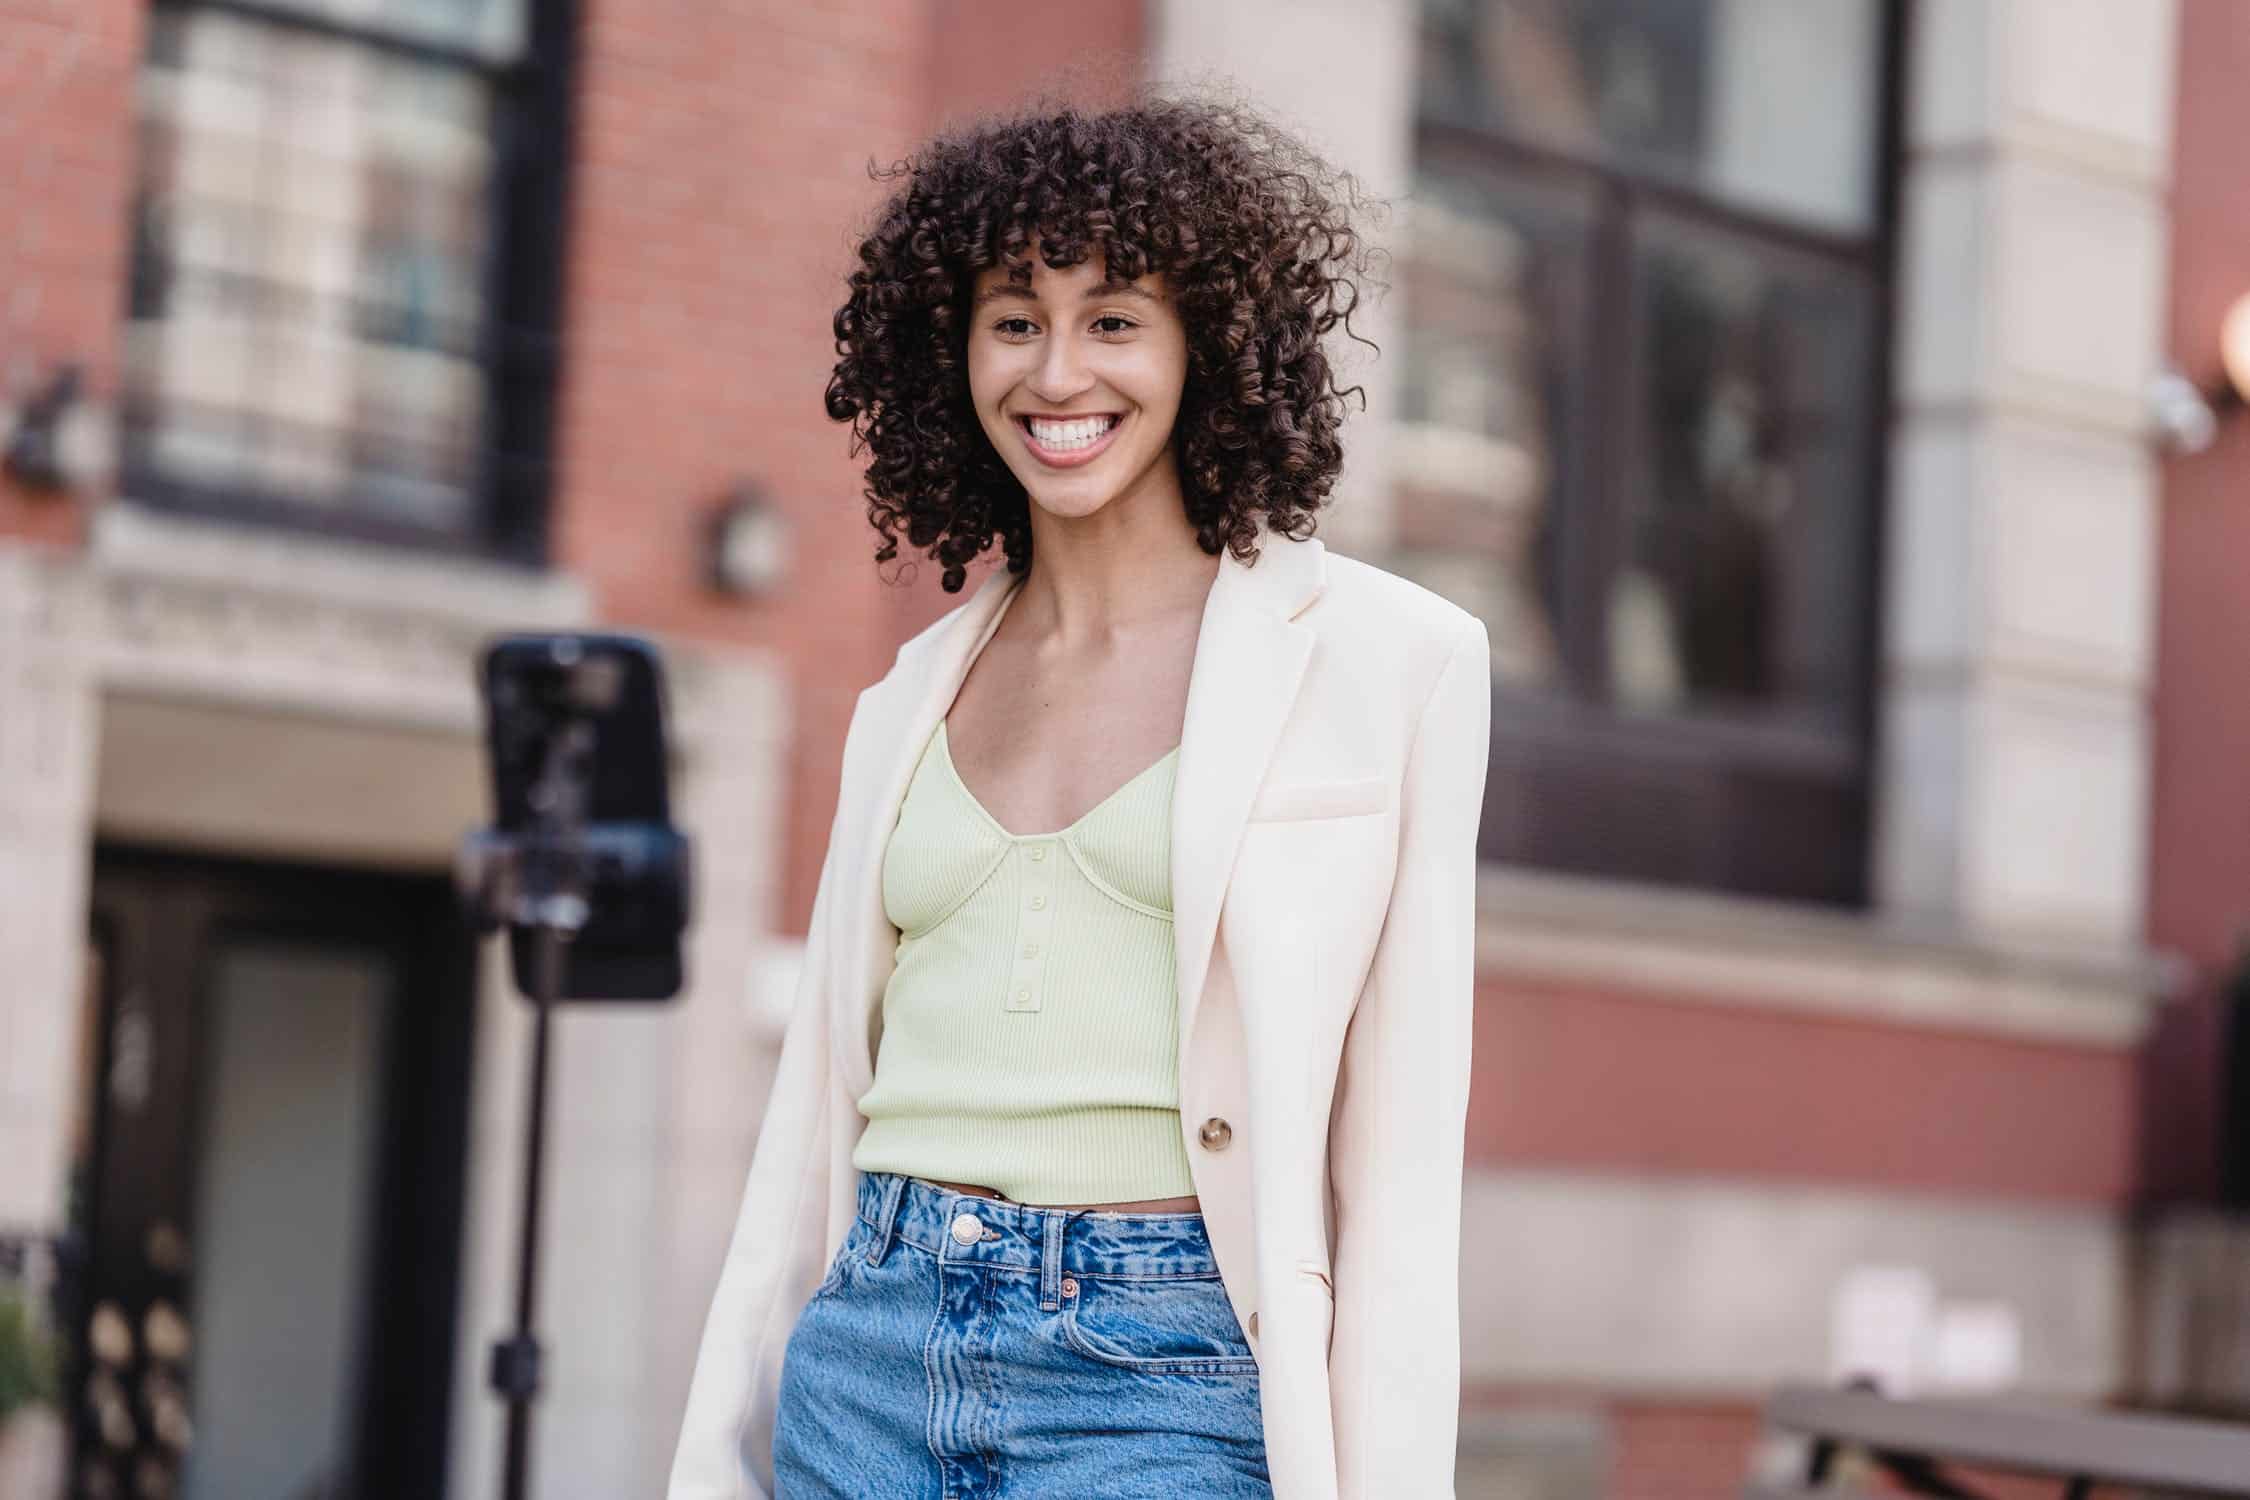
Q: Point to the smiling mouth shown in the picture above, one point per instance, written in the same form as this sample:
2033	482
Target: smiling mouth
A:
1066	444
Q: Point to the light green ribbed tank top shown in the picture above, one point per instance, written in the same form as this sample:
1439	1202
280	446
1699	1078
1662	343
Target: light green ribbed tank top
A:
1030	1026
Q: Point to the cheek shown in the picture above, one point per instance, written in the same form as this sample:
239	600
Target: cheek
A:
1168	372
989	382
1161	387
983	378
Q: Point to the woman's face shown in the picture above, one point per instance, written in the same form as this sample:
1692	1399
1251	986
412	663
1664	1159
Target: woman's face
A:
1076	381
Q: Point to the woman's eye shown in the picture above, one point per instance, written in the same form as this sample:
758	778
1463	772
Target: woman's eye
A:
1014	327
1122	325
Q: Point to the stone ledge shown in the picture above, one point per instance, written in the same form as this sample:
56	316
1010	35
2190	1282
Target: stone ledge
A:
1715	949
128	540
191	608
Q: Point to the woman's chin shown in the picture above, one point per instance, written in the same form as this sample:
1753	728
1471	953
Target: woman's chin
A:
1100	487
1071	503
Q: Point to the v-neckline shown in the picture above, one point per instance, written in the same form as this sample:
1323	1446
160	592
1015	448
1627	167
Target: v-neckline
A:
945	751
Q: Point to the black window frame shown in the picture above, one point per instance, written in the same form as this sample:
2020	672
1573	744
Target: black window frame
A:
520	341
1575	785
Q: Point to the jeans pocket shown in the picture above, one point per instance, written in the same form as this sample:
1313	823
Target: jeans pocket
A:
1165	1325
852	1250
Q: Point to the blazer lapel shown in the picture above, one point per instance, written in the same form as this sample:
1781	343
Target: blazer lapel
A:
1250	656
1249	659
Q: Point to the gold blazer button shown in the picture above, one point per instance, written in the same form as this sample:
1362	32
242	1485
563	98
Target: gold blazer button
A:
1216	1133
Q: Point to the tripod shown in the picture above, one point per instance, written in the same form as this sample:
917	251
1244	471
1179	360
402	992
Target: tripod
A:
594	906
537	880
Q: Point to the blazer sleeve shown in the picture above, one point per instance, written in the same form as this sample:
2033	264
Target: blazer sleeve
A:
772	1263
1399	1119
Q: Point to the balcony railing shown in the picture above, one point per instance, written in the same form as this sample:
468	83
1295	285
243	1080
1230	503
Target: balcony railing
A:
1915	1443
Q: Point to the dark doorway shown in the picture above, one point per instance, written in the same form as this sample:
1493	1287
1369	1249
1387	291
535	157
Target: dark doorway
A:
270	1200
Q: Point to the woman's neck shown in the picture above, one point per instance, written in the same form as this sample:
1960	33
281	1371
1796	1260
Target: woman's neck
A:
1095	576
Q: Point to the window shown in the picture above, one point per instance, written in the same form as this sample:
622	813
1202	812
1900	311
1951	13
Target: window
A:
345	235
1641	420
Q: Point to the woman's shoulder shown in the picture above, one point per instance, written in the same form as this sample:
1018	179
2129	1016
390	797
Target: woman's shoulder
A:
1364	602
971	597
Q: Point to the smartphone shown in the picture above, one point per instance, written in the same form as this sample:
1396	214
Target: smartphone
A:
605	693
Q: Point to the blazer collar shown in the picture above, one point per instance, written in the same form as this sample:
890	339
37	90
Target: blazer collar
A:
1250	656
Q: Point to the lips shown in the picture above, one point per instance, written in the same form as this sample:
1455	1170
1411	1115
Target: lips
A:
1075	452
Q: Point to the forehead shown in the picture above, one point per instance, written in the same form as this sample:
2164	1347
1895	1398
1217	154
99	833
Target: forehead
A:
1039	279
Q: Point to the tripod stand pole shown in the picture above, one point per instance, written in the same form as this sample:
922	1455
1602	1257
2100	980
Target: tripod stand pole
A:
515	1361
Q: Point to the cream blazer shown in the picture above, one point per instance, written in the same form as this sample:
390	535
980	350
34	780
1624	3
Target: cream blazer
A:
1325	805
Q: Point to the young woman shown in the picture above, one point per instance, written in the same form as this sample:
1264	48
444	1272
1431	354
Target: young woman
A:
1116	1144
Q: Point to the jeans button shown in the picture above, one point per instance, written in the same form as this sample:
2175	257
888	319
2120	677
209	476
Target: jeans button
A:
967	1228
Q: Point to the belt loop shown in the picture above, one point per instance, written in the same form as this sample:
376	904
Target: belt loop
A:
886	1216
1050	1258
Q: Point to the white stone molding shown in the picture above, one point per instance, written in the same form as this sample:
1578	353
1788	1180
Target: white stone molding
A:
47	728
256	618
1699	1289
1699	948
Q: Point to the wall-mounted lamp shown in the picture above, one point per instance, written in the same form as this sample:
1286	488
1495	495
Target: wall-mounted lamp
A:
748	544
36	455
2187	415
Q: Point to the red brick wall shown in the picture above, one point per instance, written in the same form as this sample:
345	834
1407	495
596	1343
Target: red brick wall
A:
1679	1450
990	54
66	138
1576	1077
2199	856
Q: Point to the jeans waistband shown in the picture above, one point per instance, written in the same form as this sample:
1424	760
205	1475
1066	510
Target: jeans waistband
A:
1048	1242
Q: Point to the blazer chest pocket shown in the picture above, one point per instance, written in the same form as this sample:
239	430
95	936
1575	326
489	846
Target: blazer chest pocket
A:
1279	801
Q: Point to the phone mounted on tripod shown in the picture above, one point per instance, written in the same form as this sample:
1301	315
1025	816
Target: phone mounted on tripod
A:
583	867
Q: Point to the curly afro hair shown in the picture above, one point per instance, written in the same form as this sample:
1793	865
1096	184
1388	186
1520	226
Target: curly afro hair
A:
1253	236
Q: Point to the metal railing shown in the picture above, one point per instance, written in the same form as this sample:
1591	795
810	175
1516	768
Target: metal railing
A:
1914	1442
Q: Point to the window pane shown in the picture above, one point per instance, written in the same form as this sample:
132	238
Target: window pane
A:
1740	588
309	257
1771	104
1495	276
494	28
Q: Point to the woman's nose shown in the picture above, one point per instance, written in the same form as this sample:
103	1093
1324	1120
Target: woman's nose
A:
1062	374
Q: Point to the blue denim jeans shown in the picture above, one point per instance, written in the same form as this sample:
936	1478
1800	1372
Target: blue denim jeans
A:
966	1348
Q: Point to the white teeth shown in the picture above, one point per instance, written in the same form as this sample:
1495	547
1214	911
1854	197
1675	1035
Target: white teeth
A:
1064	436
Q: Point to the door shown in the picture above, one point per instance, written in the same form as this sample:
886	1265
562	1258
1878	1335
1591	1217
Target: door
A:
272	1208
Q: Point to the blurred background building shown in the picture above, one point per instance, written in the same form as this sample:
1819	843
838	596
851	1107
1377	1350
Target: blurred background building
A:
1868	854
